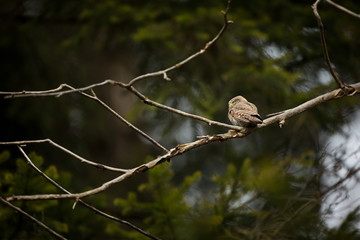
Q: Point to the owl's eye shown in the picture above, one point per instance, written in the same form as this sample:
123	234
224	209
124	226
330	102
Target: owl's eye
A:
235	101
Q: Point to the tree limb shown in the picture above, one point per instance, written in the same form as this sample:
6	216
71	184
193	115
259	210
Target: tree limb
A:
83	160
84	203
180	149
343	9
346	88
201	51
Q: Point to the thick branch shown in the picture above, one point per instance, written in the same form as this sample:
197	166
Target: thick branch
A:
180	149
282	116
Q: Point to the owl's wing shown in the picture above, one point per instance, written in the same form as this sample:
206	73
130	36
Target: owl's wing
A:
250	107
248	117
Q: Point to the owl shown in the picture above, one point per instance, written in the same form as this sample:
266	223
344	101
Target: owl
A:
243	113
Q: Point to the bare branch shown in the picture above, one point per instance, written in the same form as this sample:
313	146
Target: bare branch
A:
283	115
177	111
201	51
58	92
343	9
345	87
153	141
180	149
324	45
83	160
310	203
351	173
84	203
19	210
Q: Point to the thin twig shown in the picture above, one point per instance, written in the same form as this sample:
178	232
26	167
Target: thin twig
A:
107	107
201	51
19	210
58	92
294	215
343	9
350	173
324	45
112	111
131	89
83	160
180	149
177	111
96	99
84	203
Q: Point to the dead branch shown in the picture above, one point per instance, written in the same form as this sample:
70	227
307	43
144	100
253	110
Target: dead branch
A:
201	51
57	92
341	85
180	149
84	203
112	111
324	45
283	115
341	8
83	160
42	225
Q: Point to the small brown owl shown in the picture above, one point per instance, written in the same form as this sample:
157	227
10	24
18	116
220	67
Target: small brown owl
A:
243	113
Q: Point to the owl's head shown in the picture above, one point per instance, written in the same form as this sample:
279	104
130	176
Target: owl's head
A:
236	100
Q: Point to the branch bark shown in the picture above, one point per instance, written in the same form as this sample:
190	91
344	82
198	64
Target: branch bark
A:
341	8
204	140
345	87
84	203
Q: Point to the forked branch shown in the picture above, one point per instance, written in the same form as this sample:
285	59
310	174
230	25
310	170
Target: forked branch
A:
345	87
182	148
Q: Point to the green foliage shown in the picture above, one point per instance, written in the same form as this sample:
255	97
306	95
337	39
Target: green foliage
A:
256	200
271	54
165	208
24	180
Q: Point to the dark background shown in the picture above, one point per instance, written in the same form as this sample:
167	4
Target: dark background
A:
271	55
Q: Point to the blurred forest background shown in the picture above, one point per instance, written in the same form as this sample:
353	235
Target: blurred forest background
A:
273	184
